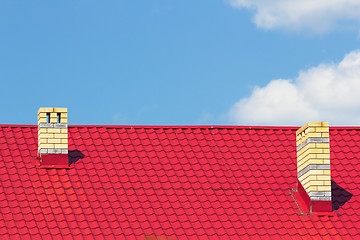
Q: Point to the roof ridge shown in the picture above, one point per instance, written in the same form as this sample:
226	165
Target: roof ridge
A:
168	126
190	126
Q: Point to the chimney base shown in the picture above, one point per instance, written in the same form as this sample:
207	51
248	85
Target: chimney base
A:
308	206
321	207
54	161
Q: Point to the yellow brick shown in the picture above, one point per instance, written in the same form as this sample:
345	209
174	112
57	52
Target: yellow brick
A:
306	182
312	135
60	110
64	140
324	188
325	124
46	145
64	130
306	131
304	176
316	161
314	124
63	115
42	130
323	177
316	150
326	172
306	185
63	120
54	130
53	115
302	179
61	146
325	135
326	161
301	167
312	145
43	140
301	158
311	129
316	172
298	132
305	154
301	130
317	183
310	179
46	110
302	161
301	151
312	188
327	183
42	115
322	129
53	120
42	120
326	150
60	135
323	155
300	142
55	140
322	145
47	135
305	179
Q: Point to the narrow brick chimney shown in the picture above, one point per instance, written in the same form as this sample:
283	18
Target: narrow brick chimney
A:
53	138
313	166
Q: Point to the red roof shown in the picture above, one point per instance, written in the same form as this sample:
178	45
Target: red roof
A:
172	183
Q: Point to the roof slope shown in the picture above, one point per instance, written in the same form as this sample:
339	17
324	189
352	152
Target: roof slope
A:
172	182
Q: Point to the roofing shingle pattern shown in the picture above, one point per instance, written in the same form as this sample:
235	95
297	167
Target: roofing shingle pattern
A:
172	182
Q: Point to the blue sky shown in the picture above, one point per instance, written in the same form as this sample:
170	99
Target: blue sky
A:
169	62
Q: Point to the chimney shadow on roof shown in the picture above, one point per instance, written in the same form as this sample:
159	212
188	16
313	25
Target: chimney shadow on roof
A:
339	196
74	156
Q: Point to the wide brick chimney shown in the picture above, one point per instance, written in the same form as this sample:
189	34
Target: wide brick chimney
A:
313	166
53	138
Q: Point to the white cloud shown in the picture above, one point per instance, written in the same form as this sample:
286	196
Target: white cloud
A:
328	92
316	16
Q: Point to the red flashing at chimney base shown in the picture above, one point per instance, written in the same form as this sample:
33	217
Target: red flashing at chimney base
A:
54	161
321	207
309	206
303	194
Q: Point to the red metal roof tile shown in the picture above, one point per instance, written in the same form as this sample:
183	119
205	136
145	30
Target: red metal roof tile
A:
180	182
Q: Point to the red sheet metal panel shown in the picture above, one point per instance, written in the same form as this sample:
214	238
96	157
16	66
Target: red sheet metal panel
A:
54	161
172	183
